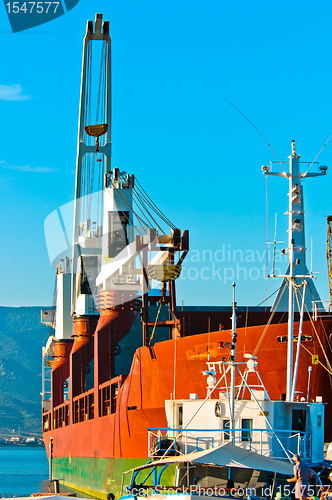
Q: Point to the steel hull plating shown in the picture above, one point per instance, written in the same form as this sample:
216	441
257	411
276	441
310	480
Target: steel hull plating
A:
93	475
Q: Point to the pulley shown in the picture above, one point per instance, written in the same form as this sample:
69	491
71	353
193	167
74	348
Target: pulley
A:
164	272
96	131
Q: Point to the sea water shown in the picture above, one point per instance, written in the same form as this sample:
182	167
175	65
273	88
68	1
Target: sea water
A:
23	470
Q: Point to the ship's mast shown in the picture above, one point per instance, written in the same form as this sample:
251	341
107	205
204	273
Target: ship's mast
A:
85	151
297	270
233	366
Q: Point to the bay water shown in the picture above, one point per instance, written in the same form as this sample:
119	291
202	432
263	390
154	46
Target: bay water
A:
23	470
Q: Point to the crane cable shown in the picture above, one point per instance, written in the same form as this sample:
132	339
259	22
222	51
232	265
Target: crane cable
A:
151	203
141	199
154	327
145	223
130	208
122	212
149	224
101	87
149	214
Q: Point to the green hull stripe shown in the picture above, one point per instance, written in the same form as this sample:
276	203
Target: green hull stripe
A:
98	476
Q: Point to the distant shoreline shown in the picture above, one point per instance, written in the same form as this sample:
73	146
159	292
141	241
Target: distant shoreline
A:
21	445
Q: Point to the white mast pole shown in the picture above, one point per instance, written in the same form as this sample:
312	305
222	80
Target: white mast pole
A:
294	209
233	366
296	247
296	368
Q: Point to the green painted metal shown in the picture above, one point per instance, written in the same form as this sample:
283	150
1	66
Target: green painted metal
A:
97	476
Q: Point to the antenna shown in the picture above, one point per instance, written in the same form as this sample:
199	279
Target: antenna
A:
275	241
244	116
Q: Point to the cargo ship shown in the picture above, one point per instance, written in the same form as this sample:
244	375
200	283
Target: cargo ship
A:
104	383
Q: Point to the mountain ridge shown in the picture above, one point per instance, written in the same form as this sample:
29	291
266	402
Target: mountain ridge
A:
21	339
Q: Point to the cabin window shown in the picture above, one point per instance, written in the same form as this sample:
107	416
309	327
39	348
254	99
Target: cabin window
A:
118	235
89	376
299	418
66	389
246	429
180	416
226	425
319	420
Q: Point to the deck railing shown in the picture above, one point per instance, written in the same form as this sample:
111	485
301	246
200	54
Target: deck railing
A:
278	443
83	406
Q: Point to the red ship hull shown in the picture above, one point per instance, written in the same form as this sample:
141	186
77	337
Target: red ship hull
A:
111	419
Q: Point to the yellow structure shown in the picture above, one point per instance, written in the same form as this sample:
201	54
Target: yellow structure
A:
329	253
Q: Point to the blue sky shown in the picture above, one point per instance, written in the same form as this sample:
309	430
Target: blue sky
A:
197	157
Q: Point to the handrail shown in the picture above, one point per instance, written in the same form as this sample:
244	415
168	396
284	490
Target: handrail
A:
119	378
180	429
82	395
266	442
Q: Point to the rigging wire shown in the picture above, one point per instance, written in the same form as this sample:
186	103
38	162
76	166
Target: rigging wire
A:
269	322
277	290
147	211
272	332
321	149
142	201
317	360
91	177
298	289
244	116
318	338
86	160
267	238
141	198
149	221
101	109
139	201
154	326
145	223
271	317
130	208
153	204
101	78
